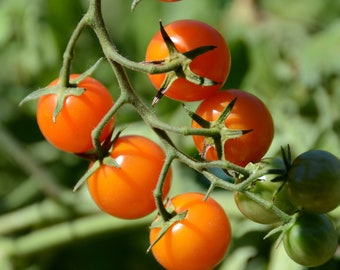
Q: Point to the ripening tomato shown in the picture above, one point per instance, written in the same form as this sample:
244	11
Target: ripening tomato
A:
248	113
127	191
79	116
271	191
199	241
266	190
314	181
312	240
188	35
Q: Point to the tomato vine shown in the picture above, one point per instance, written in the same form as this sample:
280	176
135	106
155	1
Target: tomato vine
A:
243	175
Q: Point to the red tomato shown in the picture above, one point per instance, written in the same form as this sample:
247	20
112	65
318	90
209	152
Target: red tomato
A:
188	35
248	113
127	192
199	241
79	116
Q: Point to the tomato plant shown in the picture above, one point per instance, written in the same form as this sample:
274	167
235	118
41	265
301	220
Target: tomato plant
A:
127	191
312	240
71	132
199	241
188	35
248	113
314	181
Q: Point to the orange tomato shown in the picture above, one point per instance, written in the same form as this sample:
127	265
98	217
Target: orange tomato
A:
127	191
79	116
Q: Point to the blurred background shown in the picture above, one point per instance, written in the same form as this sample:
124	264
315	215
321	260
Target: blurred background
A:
284	51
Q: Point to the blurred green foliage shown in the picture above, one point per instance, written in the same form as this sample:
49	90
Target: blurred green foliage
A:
284	51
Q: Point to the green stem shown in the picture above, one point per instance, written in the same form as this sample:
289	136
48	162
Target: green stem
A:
95	20
96	132
69	52
41	212
158	192
68	232
45	180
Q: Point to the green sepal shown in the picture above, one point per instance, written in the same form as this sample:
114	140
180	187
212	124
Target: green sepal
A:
110	161
95	166
170	77
198	119
226	112
87	72
198	51
165	226
62	93
194	78
39	93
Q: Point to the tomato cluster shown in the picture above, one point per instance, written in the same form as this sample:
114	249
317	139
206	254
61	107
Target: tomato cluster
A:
129	177
313	183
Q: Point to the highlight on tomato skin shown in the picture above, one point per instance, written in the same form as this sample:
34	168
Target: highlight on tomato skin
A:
197	242
127	191
214	65
248	113
79	116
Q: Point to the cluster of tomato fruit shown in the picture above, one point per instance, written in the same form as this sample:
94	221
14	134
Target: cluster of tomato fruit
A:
124	183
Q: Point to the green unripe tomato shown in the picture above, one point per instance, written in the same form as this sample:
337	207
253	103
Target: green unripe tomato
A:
312	240
266	190
314	181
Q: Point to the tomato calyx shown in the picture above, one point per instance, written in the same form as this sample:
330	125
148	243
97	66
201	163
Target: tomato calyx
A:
165	225
97	160
62	90
221	134
183	70
283	228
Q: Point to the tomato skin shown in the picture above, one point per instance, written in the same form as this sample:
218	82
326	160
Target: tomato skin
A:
312	240
314	181
199	241
248	113
188	35
127	192
79	116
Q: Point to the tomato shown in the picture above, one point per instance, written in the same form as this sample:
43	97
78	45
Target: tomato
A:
248	113
314	181
79	116
199	241
127	191
188	35
272	192
312	240
266	190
